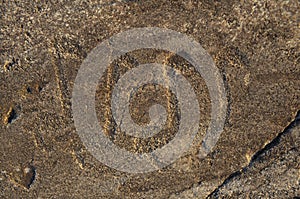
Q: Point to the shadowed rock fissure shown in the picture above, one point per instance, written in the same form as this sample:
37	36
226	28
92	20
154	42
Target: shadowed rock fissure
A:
256	157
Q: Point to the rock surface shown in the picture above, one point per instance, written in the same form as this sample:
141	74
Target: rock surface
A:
254	44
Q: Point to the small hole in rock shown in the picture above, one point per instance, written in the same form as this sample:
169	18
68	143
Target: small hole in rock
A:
29	176
40	88
12	115
29	90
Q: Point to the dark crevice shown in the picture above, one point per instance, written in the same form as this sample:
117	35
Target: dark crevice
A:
29	90
29	176
256	157
276	140
12	115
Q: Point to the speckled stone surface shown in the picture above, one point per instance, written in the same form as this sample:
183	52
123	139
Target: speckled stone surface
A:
255	45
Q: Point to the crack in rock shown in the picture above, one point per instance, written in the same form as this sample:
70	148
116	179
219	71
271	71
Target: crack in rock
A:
259	156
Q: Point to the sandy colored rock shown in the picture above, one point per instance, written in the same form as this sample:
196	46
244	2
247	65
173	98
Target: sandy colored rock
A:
255	45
